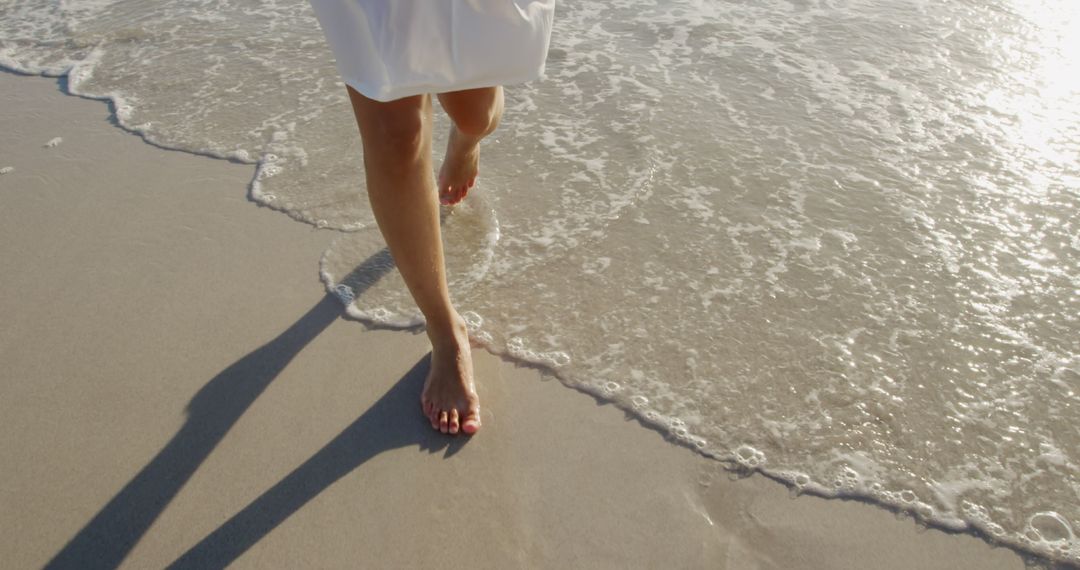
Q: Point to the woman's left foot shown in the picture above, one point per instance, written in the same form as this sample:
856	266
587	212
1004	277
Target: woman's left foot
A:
459	168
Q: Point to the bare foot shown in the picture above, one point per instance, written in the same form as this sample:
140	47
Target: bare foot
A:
449	397
459	168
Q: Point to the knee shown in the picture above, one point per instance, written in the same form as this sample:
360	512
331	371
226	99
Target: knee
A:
477	124
399	133
392	130
475	112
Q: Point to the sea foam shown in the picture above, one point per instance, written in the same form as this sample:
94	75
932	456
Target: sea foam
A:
829	242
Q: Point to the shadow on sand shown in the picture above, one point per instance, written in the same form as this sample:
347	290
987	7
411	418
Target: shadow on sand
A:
392	422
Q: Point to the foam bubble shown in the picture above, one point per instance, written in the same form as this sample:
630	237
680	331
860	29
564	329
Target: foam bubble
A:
557	358
268	170
472	320
1051	527
344	293
749	457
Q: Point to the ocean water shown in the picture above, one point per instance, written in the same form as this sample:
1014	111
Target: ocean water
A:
836	241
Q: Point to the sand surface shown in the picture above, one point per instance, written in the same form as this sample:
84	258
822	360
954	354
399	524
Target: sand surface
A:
178	389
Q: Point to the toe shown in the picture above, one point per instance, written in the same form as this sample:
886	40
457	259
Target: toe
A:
472	421
454	421
454	196
433	417
444	422
446	193
471	425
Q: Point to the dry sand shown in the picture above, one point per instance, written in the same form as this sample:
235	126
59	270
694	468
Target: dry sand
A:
177	389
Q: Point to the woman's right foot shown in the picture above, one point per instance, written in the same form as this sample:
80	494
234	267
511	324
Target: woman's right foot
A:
449	399
459	168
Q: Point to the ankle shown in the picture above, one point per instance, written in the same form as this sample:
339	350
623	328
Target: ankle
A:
448	333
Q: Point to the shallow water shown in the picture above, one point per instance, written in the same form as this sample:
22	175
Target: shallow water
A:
836	241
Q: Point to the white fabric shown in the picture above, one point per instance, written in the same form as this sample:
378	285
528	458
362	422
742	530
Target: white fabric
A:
388	49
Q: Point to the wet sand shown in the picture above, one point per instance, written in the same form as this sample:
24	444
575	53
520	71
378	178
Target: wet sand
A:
179	390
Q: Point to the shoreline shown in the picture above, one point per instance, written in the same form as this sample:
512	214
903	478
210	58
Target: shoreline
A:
207	391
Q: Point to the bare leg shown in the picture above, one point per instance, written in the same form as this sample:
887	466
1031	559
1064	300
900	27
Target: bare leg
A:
397	160
475	114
